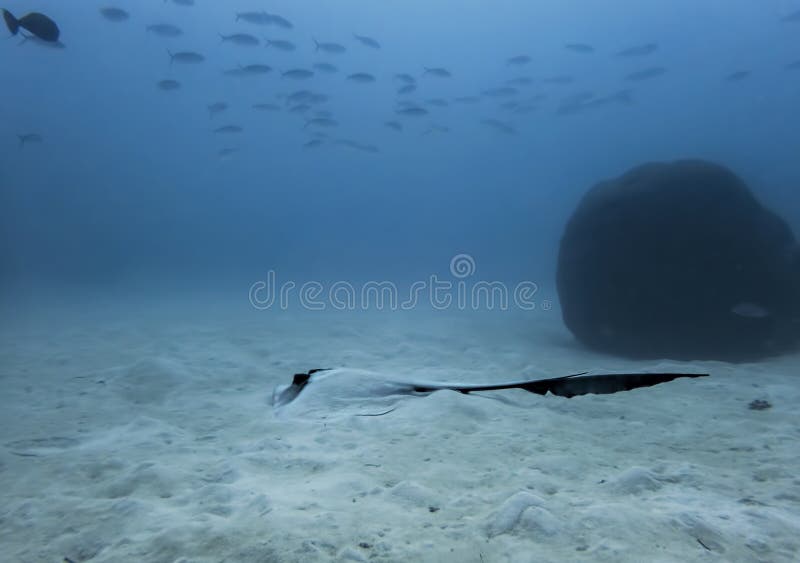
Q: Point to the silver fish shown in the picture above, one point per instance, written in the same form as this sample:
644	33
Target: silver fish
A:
164	29
241	39
275	19
646	73
297	74
500	126
114	14
334	48
280	44
321	122
168	85
579	48
266	107
638	50
216	108
185	57
412	111
518	60
438	72
257	18
367	41
326	67
361	77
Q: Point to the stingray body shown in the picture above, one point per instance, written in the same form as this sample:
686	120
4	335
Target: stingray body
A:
334	388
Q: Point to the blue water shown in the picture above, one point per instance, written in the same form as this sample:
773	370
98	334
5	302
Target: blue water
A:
127	183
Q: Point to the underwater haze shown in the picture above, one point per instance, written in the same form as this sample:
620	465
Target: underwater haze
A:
446	281
131	181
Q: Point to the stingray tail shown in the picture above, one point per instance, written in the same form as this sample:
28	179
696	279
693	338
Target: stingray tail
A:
11	22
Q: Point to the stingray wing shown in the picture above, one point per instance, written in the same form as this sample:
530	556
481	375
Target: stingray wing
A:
570	385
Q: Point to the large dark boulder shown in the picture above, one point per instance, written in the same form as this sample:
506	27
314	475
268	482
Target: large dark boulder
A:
679	260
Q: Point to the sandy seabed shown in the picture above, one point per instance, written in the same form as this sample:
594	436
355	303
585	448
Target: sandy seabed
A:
144	432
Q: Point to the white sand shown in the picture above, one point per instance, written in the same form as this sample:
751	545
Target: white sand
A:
143	432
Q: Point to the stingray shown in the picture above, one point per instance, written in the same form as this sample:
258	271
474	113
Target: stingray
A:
342	385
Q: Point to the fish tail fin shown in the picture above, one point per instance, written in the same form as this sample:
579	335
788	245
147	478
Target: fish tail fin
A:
171	56
21	141
11	22
316	45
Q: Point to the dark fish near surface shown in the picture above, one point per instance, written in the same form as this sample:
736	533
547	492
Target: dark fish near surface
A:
29	138
297	74
646	73
334	48
407	89
280	44
407	78
183	2
241	39
216	108
225	129
185	57
164	29
299	108
168	85
361	77
579	48
227	151
367	41
519	60
737	76
38	24
438	72
794	65
26	38
114	14
395	125
313	143
639	50
257	18
326	67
